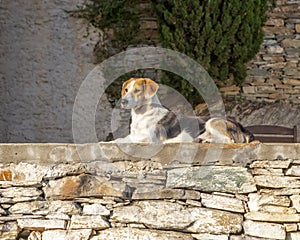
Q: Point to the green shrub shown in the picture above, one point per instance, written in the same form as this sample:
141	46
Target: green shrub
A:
221	35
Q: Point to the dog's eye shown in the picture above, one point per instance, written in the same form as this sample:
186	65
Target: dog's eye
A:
126	90
136	90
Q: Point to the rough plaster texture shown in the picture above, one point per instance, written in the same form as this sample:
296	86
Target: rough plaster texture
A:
45	55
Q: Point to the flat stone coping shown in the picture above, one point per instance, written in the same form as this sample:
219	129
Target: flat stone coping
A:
191	153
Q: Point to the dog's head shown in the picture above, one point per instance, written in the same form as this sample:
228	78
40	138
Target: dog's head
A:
137	92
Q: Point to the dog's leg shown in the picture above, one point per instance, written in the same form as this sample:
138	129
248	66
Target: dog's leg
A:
204	138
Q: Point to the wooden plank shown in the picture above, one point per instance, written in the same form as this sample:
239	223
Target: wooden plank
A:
273	139
270	129
295	134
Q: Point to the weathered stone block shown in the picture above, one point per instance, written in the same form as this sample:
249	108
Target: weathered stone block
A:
256	201
5	175
222	202
277	181
88	222
62	170
217	222
271	164
258	72
212	179
35	207
275	22
291	227
9	230
81	234
292	73
273	217
293	82
167	194
230	89
266	89
293	171
83	186
27	174
64	207
209	237
296	202
95	209
174	216
281	30
278	151
268	171
276	96
264	230
19	194
274	49
35	235
41	224
297	27
249	89
291	43
140	234
293	236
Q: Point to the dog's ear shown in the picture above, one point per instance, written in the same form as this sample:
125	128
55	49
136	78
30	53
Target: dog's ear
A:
124	87
151	87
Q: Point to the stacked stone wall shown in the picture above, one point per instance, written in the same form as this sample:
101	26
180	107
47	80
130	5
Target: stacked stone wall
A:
176	191
274	74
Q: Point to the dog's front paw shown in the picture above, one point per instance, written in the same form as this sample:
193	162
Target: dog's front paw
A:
202	140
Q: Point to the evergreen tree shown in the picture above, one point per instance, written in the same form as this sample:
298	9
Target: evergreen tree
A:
222	35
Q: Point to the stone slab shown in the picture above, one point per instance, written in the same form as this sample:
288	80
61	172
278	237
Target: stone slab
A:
140	234
212	179
95	209
273	217
174	216
293	236
209	237
19	194
293	171
88	222
296	202
167	194
41	224
222	202
277	181
34	207
258	201
271	164
264	230
83	186
81	234
54	153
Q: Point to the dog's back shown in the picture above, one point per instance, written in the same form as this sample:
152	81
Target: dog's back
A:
172	125
238	132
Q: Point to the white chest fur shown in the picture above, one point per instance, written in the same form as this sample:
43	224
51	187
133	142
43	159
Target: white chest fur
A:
142	128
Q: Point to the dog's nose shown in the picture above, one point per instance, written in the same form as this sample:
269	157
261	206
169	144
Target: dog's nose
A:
124	102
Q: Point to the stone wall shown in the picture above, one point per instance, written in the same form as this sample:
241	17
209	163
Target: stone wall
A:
274	74
45	55
176	191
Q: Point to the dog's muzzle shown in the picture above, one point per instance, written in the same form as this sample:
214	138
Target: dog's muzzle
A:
124	103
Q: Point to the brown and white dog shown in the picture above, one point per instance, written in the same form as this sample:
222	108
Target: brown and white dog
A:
153	123
219	130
